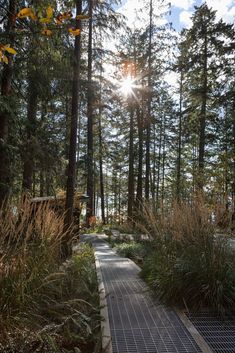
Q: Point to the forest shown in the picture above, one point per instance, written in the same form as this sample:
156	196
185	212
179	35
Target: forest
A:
94	135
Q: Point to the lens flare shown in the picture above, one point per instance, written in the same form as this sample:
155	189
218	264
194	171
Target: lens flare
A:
126	86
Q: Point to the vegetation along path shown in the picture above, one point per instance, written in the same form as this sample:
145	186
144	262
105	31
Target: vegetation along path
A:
137	324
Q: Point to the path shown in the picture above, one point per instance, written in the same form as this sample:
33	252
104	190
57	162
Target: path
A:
137	324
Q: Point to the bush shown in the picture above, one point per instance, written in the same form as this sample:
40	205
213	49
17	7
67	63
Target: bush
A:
29	252
44	306
132	250
189	263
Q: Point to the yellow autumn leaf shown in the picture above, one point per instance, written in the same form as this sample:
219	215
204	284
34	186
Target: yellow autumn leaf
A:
48	18
4	58
24	12
33	16
27	12
82	17
67	15
74	31
9	49
45	20
47	32
49	12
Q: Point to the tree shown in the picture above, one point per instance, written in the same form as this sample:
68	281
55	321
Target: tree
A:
5	109
204	52
71	171
90	162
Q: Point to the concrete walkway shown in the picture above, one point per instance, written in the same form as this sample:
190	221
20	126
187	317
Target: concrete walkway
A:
137	324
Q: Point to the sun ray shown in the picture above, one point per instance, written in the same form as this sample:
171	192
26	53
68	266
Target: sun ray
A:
126	86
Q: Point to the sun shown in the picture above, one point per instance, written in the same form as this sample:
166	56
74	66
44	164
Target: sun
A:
126	86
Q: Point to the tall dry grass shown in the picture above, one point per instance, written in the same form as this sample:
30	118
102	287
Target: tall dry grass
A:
191	263
30	241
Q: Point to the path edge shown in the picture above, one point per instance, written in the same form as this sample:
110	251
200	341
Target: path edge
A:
105	327
202	344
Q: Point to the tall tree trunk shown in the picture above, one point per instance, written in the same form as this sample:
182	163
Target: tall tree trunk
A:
233	159
7	73
153	183
159	163
148	127
163	162
90	167
131	166
201	156
139	193
101	169
41	176
178	168
71	171
29	154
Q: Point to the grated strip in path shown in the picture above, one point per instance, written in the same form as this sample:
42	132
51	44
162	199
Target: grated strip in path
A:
137	324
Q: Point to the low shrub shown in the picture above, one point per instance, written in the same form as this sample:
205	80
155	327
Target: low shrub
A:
44	306
189	264
132	250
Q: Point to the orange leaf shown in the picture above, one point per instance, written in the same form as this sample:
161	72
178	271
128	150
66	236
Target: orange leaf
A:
3	58
59	19
48	18
27	12
49	12
46	32
74	31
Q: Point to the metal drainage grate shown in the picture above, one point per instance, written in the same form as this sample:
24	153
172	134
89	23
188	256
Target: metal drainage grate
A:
137	311
122	288
119	271
220	335
152	340
138	325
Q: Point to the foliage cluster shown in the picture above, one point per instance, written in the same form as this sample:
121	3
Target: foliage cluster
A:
189	263
45	306
133	250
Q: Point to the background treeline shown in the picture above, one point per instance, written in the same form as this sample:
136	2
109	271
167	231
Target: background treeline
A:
160	144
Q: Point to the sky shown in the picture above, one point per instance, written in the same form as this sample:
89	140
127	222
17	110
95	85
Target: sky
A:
180	17
181	11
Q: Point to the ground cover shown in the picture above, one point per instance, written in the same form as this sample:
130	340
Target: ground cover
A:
46	305
185	263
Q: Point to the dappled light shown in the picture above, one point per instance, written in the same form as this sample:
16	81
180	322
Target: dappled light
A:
117	147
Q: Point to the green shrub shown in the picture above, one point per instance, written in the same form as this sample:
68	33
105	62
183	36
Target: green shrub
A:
189	264
132	250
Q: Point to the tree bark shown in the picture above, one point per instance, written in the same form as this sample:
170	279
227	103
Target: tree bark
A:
139	192
29	153
71	171
7	73
101	170
148	122
90	167
159	162
178	175
201	156
131	166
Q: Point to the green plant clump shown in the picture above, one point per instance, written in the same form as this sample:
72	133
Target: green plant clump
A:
45	306
133	250
188	264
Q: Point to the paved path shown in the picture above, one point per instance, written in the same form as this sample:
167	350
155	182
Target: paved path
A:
137	324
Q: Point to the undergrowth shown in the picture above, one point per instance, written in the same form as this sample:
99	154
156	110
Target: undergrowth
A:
133	250
189	265
44	306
